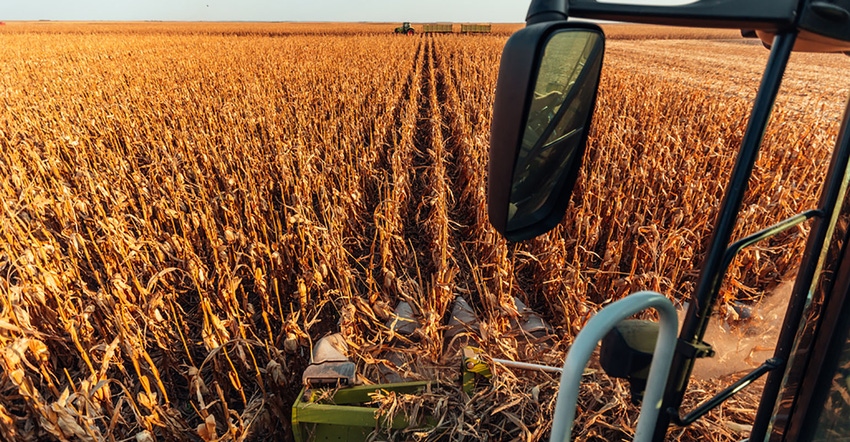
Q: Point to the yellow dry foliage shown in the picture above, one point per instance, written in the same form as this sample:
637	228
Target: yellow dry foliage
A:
186	208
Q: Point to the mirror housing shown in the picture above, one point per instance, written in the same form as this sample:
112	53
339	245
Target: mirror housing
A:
544	101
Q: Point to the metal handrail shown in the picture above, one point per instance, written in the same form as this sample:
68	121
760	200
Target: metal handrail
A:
587	340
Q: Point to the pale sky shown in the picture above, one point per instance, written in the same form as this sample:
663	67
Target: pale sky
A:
265	10
280	10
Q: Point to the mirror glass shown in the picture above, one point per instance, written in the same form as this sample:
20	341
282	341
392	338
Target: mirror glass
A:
557	118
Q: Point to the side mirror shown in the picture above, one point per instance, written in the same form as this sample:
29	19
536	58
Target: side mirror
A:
545	97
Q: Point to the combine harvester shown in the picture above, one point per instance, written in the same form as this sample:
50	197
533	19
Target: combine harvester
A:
545	97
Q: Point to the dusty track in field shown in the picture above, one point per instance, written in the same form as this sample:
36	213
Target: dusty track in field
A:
451	144
430	215
420	163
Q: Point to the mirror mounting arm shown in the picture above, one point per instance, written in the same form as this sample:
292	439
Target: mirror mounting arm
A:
541	11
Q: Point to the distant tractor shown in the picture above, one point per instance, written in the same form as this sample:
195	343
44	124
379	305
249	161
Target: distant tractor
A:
446	28
405	28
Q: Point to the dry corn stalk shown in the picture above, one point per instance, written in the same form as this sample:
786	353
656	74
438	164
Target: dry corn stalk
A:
186	207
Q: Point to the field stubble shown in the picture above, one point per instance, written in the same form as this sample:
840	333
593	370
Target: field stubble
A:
185	212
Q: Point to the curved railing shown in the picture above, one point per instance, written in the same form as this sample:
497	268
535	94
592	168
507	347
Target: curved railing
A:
587	340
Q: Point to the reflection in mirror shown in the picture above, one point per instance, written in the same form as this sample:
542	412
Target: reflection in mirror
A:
558	113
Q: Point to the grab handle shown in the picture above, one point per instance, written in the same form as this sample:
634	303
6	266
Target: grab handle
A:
587	340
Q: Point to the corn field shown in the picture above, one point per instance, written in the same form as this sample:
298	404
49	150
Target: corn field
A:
187	208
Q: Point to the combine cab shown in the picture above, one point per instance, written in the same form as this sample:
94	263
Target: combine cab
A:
405	28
